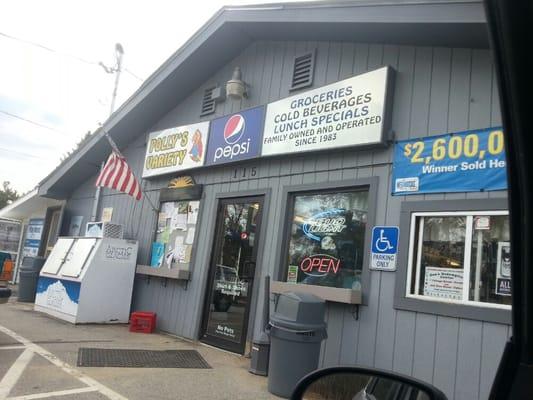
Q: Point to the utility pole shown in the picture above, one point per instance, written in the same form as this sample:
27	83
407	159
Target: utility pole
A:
117	69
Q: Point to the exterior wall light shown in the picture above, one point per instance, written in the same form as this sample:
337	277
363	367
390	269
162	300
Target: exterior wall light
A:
236	88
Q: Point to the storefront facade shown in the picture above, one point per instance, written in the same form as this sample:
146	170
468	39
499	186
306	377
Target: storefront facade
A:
37	221
306	218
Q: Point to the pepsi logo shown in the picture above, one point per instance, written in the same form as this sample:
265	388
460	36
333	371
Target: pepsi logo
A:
234	129
235	137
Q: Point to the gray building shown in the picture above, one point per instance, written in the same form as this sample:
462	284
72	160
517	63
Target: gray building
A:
300	217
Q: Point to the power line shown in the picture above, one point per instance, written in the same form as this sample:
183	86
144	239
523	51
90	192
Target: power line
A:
83	60
6	150
48	49
132	74
32	122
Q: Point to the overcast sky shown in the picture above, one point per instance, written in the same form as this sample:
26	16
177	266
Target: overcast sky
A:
49	98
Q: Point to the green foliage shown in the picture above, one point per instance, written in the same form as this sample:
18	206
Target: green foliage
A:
7	194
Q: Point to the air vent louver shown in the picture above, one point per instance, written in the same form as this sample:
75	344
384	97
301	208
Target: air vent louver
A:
302	73
209	101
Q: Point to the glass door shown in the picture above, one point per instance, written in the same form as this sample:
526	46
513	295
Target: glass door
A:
231	275
51	233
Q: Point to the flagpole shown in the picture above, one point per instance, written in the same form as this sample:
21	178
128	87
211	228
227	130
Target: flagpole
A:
116	150
94	213
119	52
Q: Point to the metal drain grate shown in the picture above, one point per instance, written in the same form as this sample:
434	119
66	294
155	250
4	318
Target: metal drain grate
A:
88	357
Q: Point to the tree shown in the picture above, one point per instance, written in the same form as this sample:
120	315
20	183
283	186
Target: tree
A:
7	194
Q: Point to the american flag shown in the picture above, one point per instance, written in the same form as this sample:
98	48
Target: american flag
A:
118	175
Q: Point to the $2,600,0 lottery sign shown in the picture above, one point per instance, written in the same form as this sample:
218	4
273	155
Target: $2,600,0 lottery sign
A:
457	162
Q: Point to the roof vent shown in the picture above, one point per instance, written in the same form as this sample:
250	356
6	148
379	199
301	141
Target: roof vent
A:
212	95
302	73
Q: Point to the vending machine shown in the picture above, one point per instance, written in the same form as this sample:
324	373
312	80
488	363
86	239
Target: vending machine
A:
88	280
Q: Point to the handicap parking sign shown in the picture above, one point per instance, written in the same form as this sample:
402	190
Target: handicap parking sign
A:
384	248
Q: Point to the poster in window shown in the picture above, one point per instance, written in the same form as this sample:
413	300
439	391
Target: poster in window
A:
292	274
74	228
107	214
175	231
189	239
503	266
192	213
327	239
158	251
178	220
482	222
503	269
446	283
9	235
33	237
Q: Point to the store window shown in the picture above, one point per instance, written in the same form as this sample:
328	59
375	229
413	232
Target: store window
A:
174	239
326	238
460	257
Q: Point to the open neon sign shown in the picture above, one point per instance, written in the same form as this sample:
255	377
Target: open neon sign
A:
320	265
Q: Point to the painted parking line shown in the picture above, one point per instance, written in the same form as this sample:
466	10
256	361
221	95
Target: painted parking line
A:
10	379
14	373
54	394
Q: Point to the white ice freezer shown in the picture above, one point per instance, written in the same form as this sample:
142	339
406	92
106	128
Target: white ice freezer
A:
88	280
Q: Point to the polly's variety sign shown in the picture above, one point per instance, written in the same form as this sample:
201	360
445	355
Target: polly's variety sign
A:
175	149
352	112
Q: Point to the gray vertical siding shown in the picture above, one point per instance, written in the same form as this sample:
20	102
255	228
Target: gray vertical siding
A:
437	90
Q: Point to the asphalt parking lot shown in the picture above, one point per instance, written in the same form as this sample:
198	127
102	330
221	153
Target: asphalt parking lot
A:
38	357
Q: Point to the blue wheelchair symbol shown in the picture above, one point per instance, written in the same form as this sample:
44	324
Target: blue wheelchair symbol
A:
385	239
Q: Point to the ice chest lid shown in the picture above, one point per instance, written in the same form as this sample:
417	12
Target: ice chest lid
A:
299	311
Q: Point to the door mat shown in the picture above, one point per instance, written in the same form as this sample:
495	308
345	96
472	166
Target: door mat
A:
89	357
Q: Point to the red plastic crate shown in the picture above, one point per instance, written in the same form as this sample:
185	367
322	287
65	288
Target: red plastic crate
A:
142	321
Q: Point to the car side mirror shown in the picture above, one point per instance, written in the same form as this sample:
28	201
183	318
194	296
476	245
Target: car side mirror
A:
358	383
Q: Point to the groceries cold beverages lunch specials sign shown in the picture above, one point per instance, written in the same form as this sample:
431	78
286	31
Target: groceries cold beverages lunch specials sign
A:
346	113
458	162
176	149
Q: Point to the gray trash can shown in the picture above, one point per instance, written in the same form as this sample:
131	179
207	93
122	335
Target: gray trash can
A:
5	293
297	329
28	277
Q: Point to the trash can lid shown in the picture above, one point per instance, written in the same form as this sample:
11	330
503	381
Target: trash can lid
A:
299	311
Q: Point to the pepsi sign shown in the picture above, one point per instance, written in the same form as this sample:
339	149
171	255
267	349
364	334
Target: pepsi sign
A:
235	137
